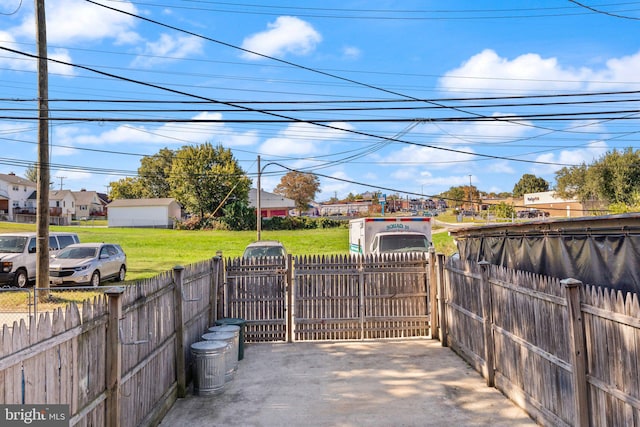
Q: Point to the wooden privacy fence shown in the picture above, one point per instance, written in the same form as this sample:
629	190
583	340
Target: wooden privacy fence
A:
119	360
330	297
565	352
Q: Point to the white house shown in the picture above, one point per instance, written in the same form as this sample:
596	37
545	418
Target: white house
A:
62	204
88	203
156	213
14	195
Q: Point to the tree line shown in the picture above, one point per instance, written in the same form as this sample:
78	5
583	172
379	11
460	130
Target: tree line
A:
210	184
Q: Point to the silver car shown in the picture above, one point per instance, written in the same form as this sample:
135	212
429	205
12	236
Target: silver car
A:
88	264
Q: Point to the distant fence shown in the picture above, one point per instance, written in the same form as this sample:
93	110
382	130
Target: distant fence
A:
566	353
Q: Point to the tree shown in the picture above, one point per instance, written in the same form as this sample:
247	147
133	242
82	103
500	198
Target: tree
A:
154	173
127	188
299	187
204	178
530	184
239	216
502	210
455	196
31	173
614	179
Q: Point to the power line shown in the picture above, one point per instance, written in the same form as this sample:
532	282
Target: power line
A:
130	80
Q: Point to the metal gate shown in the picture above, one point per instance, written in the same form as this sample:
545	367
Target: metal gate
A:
329	297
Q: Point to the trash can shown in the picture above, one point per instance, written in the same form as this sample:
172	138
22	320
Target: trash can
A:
209	366
238	322
234	329
231	357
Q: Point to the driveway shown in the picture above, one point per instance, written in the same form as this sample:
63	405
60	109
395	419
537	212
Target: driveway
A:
413	382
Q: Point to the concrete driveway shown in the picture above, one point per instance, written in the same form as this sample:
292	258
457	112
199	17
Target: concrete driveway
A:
412	382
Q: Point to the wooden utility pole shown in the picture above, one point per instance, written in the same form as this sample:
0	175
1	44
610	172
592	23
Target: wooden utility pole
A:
42	209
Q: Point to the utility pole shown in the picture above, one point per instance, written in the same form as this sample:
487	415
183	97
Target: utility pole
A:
470	199
258	208
61	178
42	210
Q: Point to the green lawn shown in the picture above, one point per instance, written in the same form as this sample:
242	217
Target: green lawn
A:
152	251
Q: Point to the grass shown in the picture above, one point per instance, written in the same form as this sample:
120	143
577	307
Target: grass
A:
152	251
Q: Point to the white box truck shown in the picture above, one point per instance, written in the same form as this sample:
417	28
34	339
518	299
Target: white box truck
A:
389	234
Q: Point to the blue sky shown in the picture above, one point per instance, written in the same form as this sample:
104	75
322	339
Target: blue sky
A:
403	96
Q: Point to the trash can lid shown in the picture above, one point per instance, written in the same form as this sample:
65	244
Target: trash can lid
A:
208	346
231	321
225	328
220	336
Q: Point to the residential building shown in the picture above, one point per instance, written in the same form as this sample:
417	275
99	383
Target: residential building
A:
62	204
14	196
271	204
88	204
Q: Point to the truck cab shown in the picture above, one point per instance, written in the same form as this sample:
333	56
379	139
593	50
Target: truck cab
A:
399	242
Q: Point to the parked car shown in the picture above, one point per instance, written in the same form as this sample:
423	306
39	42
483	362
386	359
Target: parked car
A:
264	248
88	264
18	255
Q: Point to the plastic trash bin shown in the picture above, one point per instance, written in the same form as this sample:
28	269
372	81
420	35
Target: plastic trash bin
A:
239	322
209	364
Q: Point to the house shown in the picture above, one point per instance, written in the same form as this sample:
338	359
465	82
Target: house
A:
155	213
88	204
14	196
271	204
62	204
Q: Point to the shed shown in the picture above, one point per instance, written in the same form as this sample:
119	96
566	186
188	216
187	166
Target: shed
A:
156	213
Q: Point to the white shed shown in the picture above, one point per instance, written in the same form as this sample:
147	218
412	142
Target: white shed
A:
157	213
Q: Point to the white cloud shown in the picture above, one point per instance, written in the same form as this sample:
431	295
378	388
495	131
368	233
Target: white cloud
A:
433	158
287	35
351	52
167	134
619	74
168	48
488	72
303	139
76	21
586	155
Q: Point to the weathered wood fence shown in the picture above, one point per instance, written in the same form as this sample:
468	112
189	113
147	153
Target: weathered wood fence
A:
329	297
565	352
123	358
119	360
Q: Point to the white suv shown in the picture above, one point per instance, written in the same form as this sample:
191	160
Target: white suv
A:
18	255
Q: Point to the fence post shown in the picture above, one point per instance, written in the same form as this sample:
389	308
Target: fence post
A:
213	289
487	321
442	314
181	374
578	351
113	360
220	287
289	292
361	288
433	295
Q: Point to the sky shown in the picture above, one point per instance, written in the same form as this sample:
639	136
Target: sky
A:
402	97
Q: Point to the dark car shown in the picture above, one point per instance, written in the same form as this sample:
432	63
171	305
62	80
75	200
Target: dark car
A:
264	248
